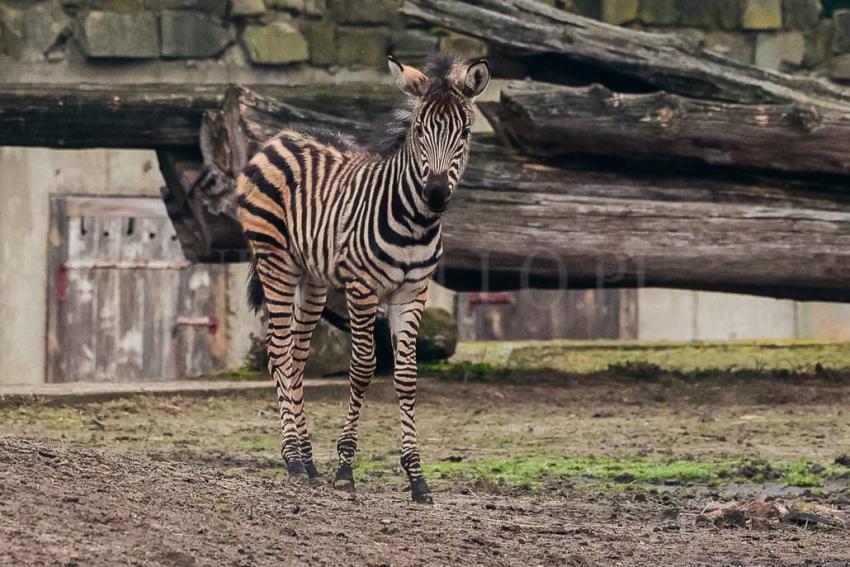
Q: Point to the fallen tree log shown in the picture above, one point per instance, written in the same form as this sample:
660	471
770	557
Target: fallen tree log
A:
571	46
160	116
517	223
554	121
104	116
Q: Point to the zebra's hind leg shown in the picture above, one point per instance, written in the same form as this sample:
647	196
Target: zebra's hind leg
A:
309	302
362	310
279	283
404	326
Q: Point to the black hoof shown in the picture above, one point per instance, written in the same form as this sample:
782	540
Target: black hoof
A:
420	492
344	479
313	474
297	472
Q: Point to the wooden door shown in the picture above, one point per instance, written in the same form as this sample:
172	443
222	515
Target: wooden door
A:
124	304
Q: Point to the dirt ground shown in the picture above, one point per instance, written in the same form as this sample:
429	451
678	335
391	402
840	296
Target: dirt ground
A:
595	471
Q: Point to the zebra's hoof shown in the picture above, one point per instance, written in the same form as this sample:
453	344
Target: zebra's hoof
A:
297	472
344	479
315	479
420	492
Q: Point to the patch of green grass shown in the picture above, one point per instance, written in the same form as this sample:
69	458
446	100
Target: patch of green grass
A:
252	442
484	361
535	471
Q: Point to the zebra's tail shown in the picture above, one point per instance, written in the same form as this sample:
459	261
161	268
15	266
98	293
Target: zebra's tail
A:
256	298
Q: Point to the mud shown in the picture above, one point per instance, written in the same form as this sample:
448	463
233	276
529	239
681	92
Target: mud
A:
152	481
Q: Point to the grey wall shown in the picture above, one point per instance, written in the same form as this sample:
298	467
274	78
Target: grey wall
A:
27	178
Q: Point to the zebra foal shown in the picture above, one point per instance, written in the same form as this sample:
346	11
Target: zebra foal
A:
319	213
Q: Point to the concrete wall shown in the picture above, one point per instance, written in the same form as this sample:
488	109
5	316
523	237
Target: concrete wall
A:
27	179
680	315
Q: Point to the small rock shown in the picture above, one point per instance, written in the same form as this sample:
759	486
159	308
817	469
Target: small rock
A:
364	11
191	34
119	35
625	478
729	14
839	68
696	13
619	11
778	51
800	14
818	49
841	24
816	468
275	44
362	47
413	47
658	12
843	460
464	46
737	47
322	39
762	15
243	8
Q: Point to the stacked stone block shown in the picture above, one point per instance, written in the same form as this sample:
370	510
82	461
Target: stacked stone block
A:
790	35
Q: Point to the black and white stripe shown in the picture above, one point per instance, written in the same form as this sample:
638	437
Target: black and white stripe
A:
320	214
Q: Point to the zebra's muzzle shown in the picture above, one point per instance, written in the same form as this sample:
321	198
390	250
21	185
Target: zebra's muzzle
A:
437	193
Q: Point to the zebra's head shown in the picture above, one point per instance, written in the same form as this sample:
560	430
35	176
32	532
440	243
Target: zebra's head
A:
440	121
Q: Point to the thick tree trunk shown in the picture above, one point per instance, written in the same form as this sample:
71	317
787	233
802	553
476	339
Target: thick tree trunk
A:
167	116
553	121
104	116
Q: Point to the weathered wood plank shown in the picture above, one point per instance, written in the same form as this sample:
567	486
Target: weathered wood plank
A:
159	116
516	224
572	46
553	121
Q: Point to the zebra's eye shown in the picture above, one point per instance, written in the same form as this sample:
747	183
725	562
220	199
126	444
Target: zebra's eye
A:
465	132
420	131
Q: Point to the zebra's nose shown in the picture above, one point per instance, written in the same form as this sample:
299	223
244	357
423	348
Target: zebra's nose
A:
437	192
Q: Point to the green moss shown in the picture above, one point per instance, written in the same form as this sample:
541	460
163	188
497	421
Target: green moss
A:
690	359
535	471
256	442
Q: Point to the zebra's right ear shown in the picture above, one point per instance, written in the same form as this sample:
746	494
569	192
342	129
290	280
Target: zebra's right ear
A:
409	79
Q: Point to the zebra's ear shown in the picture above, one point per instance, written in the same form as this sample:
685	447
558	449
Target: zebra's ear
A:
477	78
409	79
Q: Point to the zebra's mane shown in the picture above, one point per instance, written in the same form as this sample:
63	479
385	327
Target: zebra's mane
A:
441	69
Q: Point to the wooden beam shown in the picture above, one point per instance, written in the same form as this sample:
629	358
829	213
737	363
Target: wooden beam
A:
555	121
565	46
517	223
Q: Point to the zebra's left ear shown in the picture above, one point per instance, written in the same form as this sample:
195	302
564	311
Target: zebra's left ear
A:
477	78
409	79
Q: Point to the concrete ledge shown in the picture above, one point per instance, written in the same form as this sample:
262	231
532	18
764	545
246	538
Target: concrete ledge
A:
86	392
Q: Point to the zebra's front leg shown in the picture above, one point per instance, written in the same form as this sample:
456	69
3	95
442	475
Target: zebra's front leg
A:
309	302
279	286
362	310
404	325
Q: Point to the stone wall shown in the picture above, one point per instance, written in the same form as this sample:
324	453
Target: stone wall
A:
316	40
311	40
787	35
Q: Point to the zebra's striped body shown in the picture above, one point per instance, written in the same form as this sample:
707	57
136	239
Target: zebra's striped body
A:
320	214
